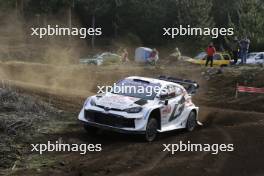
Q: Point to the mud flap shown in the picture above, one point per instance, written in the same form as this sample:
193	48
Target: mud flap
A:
199	123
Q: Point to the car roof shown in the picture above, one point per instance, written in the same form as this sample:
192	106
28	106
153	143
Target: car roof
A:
256	53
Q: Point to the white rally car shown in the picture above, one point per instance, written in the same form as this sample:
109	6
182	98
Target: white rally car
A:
153	105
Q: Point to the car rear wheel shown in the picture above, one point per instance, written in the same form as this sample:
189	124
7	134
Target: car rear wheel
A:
151	130
90	129
191	121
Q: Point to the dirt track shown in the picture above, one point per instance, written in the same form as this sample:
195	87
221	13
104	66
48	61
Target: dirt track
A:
128	155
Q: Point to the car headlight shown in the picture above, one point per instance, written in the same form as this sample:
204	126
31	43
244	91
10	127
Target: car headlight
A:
92	102
86	101
134	110
89	101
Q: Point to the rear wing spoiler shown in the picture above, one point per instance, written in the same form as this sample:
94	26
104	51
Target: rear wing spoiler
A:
189	85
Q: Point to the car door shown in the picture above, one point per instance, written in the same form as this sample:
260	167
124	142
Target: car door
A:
170	113
259	59
226	60
217	59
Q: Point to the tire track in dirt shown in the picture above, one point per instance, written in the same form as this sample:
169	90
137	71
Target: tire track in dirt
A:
157	162
223	136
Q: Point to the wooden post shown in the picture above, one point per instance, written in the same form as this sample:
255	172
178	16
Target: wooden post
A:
49	99
2	84
9	85
236	94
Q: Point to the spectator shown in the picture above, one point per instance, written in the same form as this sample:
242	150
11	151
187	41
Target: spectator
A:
124	57
235	50
210	54
244	47
176	54
154	57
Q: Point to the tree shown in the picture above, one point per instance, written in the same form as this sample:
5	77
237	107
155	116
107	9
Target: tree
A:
92	8
251	21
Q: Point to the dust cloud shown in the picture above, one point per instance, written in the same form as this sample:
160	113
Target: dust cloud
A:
53	62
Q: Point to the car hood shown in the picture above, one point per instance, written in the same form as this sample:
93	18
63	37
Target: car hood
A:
120	102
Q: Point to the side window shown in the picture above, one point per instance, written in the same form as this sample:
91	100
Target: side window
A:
226	57
258	57
178	90
217	57
164	94
171	91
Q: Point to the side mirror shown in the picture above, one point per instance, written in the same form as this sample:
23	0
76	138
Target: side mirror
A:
166	102
163	96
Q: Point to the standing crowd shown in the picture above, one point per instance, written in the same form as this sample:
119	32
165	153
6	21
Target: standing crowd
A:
239	49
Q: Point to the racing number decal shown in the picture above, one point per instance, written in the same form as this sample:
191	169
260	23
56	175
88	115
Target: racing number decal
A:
178	108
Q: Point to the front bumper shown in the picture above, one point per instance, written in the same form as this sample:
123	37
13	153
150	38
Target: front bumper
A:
113	121
109	119
111	128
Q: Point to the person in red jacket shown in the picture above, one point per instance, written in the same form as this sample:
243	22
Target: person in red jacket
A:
210	54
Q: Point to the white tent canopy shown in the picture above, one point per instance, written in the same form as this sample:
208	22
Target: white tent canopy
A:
142	54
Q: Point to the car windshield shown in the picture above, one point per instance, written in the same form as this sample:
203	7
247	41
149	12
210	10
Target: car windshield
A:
136	88
200	55
251	55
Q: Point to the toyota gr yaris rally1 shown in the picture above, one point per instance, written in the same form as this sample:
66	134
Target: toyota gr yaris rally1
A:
154	105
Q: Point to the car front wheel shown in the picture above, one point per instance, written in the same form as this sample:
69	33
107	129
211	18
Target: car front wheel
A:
151	129
191	121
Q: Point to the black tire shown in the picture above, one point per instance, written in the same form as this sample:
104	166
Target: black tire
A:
191	121
151	130
90	129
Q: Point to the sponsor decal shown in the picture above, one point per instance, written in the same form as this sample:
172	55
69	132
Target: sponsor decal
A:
166	110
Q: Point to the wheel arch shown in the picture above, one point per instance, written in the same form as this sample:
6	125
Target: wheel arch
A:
195	110
155	113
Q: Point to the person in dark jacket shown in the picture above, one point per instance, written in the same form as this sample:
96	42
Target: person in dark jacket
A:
235	50
210	50
244	47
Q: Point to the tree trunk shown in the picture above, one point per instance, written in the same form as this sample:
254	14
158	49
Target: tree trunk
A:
45	23
19	7
22	7
115	29
38	19
93	36
69	17
116	18
69	20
